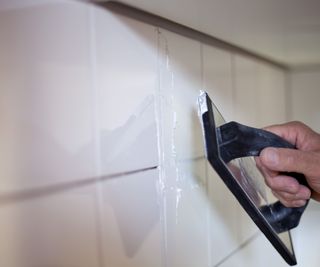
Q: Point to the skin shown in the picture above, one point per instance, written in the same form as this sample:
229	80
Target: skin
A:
305	159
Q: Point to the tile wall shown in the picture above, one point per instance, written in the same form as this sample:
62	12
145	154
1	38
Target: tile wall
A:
102	160
304	93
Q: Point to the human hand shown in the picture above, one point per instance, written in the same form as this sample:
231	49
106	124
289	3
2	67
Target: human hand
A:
305	159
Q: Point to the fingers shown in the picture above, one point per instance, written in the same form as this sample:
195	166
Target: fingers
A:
285	188
288	190
305	160
298	134
289	201
283	183
291	160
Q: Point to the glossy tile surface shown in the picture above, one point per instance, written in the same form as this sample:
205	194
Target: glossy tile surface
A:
124	98
58	229
246	106
65	126
186	211
246	90
182	163
305	246
125	53
180	83
257	252
131	229
218	79
223	217
46	97
223	208
304	92
272	86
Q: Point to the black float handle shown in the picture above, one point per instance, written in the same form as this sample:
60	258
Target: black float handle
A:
236	141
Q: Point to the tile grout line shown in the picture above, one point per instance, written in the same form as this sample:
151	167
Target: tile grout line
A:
14	197
96	137
233	82
208	218
161	185
288	96
242	245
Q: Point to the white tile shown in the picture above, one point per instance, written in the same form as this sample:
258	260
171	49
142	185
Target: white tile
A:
260	93
260	100
246	227
46	104
130	227
223	219
58	229
272	101
257	253
126	83
180	84
240	104
223	215
187	235
305	244
304	97
182	152
17	4
246	111
126	80
230	225
246	90
217	79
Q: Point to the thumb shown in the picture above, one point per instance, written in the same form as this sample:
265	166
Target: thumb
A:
290	160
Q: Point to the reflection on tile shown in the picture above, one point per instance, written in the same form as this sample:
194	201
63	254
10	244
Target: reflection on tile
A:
46	106
133	145
57	230
131	230
126	81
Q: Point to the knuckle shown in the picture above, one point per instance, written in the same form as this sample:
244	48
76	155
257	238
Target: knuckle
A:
294	188
292	159
298	124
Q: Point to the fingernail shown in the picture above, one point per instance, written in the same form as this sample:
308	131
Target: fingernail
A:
271	156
